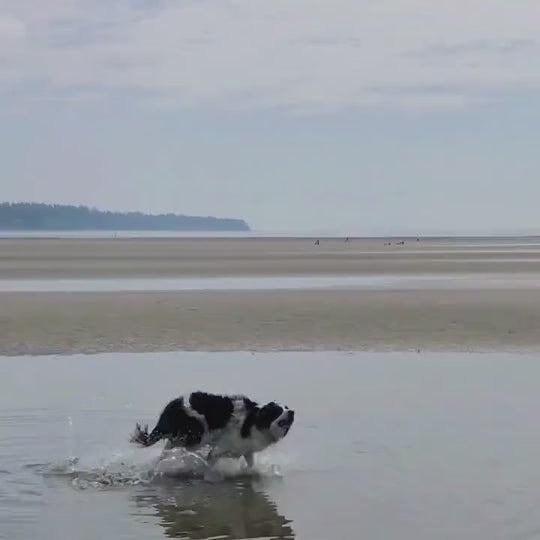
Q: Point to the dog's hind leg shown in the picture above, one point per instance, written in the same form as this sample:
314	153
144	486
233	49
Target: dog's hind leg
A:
168	446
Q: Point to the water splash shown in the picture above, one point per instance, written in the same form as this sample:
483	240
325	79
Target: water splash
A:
109	473
149	466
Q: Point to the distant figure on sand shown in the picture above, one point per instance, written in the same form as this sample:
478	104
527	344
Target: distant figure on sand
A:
317	242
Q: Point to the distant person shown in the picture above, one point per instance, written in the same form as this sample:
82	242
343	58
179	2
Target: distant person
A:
317	242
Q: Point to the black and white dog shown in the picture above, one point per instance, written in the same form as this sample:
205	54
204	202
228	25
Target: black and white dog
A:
232	426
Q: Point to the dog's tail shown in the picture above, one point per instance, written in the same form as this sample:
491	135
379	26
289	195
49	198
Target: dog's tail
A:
141	436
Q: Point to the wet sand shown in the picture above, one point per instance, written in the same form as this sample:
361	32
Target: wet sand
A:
43	323
468	317
176	257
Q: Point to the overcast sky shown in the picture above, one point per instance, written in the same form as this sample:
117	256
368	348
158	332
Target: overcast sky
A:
346	116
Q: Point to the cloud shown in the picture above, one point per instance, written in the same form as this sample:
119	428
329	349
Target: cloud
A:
302	55
500	47
11	28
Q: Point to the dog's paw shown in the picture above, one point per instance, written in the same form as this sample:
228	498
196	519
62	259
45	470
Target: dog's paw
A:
140	435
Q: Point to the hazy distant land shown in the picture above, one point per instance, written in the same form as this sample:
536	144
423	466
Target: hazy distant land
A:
32	216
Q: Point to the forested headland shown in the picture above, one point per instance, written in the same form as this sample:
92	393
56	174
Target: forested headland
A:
36	216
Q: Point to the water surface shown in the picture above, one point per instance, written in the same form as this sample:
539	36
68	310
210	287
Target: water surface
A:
462	241
406	446
462	281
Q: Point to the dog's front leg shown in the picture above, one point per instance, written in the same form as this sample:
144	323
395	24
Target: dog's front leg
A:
213	457
250	460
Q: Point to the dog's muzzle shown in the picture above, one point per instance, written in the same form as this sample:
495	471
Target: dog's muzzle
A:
287	422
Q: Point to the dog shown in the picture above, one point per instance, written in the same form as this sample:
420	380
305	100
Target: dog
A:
231	425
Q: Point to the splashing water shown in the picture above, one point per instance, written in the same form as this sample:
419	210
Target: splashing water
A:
136	467
132	466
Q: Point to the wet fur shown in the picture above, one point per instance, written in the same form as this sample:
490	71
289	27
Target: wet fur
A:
233	426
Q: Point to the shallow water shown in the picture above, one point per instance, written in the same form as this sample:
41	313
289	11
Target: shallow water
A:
515	280
462	241
191	284
408	446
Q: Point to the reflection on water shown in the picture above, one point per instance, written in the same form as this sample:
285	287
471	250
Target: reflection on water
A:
200	510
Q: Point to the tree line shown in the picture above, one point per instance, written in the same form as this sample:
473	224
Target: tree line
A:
37	216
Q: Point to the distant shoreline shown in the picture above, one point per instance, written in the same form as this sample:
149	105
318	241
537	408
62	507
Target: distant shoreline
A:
58	234
244	255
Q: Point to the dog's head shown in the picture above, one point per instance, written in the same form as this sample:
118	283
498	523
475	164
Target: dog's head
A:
274	420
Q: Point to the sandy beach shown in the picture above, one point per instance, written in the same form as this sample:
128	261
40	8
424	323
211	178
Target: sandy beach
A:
166	257
42	323
328	319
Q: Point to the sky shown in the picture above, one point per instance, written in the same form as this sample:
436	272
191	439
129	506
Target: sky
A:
332	116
